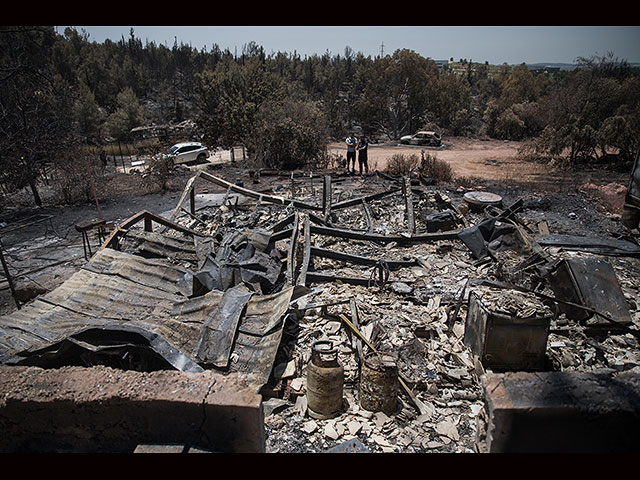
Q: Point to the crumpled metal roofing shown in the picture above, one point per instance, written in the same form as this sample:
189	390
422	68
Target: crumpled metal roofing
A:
119	304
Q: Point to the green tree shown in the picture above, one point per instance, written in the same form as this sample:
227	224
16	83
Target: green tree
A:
129	114
288	134
411	78
35	118
450	103
87	115
230	98
594	109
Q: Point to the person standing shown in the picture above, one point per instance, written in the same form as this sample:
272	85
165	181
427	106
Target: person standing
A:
362	154
351	142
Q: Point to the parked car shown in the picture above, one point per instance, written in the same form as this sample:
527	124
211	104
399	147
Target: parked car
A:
188	152
422	138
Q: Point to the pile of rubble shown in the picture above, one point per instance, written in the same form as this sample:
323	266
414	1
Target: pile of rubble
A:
444	284
385	254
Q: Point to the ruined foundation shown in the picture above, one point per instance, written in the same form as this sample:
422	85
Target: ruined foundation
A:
562	412
103	410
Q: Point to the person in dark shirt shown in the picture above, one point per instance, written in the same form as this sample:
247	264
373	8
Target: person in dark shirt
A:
362	154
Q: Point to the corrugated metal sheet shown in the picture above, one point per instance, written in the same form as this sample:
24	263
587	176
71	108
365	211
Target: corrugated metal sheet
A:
117	295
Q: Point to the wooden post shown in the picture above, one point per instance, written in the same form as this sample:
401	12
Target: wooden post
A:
9	279
406	191
326	197
124	170
302	278
291	255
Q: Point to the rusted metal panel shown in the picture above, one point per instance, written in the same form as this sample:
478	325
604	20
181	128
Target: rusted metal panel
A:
219	330
505	342
592	282
120	304
157	244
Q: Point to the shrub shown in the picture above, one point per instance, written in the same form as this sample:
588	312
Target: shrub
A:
76	174
400	164
439	170
289	135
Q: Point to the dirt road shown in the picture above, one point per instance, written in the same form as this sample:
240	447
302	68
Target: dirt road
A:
468	157
493	160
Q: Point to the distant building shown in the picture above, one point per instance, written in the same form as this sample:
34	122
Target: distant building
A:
543	69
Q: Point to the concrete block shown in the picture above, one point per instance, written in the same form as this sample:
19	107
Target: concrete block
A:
100	409
561	412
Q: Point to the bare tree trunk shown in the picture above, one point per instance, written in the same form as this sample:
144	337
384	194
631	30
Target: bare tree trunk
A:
34	190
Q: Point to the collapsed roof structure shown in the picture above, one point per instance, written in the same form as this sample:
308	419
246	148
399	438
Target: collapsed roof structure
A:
233	281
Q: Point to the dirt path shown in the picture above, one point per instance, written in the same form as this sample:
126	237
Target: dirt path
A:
493	160
468	158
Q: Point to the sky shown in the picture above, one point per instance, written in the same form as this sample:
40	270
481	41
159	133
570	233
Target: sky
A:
493	44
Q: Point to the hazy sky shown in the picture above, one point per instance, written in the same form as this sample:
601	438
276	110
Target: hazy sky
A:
495	44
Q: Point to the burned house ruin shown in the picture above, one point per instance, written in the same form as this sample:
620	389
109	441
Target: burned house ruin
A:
466	325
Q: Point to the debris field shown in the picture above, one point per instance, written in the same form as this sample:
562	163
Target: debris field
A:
432	286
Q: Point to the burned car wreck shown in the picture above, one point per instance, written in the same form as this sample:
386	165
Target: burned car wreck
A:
435	312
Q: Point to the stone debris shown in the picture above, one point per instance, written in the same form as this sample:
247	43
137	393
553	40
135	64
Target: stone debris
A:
413	309
411	315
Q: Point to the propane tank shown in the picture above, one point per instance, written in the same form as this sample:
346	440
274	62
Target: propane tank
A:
325	380
379	383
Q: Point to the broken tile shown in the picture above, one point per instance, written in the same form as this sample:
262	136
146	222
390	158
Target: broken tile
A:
310	426
448	429
330	431
354	427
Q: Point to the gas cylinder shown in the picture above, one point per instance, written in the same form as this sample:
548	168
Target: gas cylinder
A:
379	383
325	380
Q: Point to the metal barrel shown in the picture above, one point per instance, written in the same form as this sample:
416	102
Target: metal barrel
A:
325	380
379	383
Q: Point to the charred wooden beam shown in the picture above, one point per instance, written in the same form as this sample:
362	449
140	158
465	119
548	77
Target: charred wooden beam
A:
367	214
347	257
356	342
408	201
283	223
253	194
291	254
316	219
355	201
302	278
281	235
400	239
316	277
5	267
188	191
147	217
326	197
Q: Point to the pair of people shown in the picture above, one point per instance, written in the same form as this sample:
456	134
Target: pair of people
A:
357	145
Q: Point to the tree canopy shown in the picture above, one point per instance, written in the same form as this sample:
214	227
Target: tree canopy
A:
57	90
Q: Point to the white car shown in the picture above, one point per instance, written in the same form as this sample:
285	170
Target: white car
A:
188	152
422	138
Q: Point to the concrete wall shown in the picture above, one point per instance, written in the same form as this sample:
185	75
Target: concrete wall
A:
562	412
100	409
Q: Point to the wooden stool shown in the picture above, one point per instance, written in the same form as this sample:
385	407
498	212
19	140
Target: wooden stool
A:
87	225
